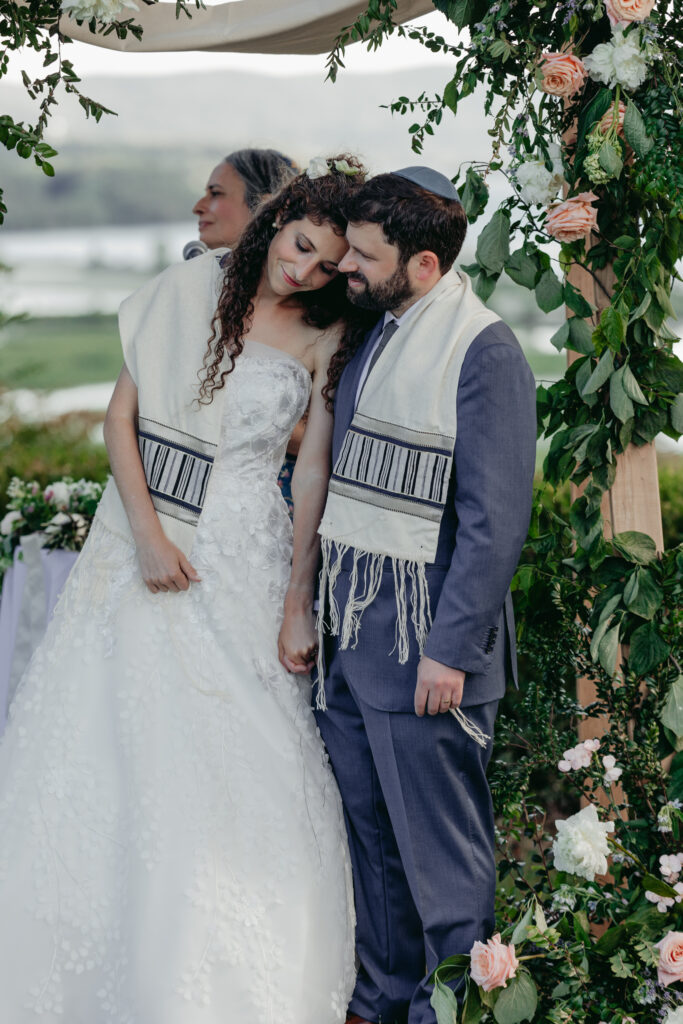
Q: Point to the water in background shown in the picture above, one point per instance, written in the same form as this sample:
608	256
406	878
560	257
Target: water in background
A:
84	270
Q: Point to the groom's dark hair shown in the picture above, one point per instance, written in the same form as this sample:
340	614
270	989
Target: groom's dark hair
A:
412	218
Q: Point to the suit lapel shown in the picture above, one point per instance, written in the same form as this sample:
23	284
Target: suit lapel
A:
346	389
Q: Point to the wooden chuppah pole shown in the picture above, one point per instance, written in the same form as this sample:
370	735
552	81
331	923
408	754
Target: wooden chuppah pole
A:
633	501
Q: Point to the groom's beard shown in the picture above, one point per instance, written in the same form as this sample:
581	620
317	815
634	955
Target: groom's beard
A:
389	294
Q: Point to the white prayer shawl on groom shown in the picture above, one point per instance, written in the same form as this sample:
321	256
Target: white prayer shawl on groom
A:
165	328
389	485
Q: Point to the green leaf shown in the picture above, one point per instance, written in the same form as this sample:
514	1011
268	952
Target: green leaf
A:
444	1003
484	285
539	919
635	131
608	649
677	414
672	712
475	195
647	649
493	244
614	327
610	160
580	336
601	373
517	1001
576	302
635	546
643	597
549	291
653	884
520	932
610	940
598	634
560	339
620	403
461	12
522	268
621	966
472	1011
641	307
632	387
451	94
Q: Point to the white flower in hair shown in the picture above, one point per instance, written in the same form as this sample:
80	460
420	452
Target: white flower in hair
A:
317	168
344	167
102	10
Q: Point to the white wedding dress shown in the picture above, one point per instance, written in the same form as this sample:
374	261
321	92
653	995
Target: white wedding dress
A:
172	847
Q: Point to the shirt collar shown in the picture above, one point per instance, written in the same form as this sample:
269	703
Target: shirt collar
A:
409	313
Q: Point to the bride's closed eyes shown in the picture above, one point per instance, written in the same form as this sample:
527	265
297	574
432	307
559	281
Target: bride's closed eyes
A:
304	246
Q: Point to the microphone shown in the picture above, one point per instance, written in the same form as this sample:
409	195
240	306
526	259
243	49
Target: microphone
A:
192	249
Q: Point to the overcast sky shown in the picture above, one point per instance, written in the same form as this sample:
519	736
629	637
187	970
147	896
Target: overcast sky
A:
394	53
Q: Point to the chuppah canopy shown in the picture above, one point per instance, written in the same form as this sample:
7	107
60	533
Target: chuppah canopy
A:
250	26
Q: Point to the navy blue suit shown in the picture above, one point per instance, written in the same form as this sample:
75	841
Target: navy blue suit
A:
417	803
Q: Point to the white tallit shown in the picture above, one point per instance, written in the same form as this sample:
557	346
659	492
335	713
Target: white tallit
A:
165	327
390	481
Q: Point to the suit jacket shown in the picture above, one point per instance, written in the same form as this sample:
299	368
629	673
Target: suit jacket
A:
484	524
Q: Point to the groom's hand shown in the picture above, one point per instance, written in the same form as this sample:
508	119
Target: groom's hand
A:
439	687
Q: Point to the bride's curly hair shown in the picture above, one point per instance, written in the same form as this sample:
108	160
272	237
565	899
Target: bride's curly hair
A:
323	200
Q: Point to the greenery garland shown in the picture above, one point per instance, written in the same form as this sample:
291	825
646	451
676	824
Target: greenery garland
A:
586	105
34	25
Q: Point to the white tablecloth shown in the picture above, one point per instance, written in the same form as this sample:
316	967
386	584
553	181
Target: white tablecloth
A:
29	593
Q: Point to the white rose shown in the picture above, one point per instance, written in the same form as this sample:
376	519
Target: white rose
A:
622	61
56	524
58	494
317	168
103	10
581	845
7	524
537	184
674	1016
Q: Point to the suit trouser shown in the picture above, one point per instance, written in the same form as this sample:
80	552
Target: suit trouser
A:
420	824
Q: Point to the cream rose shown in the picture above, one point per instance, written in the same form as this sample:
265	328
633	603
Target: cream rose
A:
628	10
622	61
572	219
674	1016
492	964
581	844
9	522
670	965
563	74
104	10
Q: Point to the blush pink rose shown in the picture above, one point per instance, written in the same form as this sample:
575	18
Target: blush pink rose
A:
670	966
628	10
572	219
563	74
492	964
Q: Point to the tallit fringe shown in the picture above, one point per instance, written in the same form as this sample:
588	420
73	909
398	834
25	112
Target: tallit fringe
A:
356	605
362	592
470	727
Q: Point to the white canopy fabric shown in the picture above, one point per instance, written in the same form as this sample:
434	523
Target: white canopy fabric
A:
253	26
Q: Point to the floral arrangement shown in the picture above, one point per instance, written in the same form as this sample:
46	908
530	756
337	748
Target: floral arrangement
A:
585	103
63	512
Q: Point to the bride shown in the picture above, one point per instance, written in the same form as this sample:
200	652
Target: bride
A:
172	848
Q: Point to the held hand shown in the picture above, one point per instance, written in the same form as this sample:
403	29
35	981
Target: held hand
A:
297	643
164	567
439	687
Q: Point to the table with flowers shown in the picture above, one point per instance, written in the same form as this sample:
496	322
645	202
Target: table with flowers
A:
40	537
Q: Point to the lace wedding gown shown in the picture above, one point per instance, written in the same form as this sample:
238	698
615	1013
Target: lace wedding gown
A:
172	848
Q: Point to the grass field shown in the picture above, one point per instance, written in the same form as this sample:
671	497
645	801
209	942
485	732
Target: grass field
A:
64	352
60	352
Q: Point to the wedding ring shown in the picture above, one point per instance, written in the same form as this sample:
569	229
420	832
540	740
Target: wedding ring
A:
445	701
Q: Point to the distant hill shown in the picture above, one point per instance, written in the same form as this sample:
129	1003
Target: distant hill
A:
150	162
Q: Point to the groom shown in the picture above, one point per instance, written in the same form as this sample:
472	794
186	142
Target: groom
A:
429	505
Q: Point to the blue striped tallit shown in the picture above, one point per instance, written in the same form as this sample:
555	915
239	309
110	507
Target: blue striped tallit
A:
402	469
177	469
